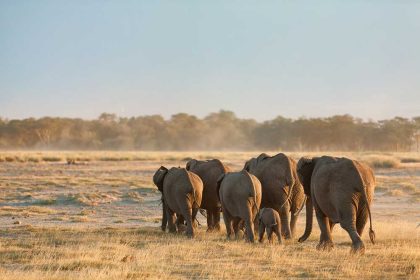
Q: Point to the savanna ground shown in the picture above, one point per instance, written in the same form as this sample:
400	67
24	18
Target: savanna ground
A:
99	218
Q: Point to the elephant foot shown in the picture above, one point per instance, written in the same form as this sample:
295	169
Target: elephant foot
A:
325	245
190	234
210	229
287	236
182	228
172	230
358	248
163	228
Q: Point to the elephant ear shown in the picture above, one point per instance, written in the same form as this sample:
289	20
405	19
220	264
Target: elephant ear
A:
262	157
247	165
191	164
159	177
251	164
219	182
304	169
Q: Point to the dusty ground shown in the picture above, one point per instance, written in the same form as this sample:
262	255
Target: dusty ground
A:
100	218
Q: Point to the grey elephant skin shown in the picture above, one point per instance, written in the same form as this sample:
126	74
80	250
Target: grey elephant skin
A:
182	194
269	221
341	191
240	196
281	189
209	171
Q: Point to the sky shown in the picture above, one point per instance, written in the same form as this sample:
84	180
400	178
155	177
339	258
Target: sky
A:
259	59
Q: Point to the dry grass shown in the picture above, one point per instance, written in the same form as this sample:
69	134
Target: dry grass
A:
101	220
124	253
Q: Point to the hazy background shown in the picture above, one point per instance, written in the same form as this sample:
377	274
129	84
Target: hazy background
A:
259	59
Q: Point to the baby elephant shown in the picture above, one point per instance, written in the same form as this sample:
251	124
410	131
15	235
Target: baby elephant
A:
269	219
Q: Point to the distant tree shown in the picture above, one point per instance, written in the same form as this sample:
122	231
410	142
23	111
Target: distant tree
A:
221	130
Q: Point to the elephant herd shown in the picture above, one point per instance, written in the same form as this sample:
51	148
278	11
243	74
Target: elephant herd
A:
268	194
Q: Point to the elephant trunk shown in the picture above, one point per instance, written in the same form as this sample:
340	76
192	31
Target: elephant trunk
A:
309	218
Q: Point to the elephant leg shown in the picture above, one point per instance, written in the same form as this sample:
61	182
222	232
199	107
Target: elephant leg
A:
332	224
261	231
164	217
242	225
235	223
228	223
277	232
249	225
194	217
284	218
209	219
180	225
293	220
347	222
270	234
361	221
216	219
325	240
171	219
187	213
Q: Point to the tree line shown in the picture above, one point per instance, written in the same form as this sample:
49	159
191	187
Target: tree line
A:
217	131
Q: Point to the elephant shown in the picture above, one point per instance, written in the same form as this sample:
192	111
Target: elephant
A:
281	188
182	194
341	191
209	171
240	196
269	220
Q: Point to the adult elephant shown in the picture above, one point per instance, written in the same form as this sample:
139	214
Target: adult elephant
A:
341	191
281	189
240	196
209	171
182	193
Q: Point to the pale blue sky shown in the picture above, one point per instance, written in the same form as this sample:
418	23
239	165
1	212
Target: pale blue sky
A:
259	59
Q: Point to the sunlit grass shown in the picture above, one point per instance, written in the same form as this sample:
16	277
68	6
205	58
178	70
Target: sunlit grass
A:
120	253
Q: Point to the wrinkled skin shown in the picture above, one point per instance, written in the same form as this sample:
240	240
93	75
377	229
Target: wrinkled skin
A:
240	196
182	193
341	191
209	171
281	188
269	220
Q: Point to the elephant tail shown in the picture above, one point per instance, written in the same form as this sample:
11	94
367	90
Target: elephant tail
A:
290	181
372	235
301	207
289	196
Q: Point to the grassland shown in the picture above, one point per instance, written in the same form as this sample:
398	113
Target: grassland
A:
99	219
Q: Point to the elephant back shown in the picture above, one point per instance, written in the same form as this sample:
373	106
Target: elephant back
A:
278	169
